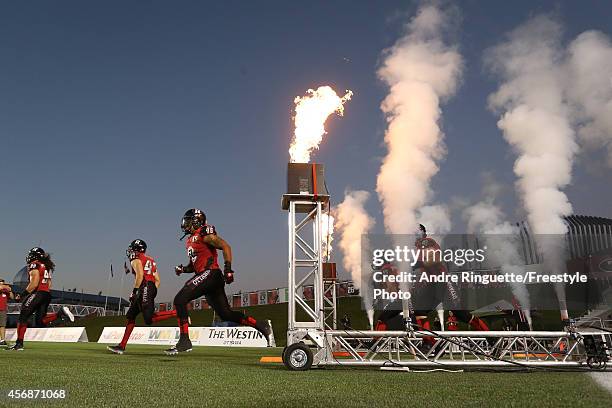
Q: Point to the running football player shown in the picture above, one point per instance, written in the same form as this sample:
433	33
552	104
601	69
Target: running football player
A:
142	299
209	280
5	294
37	295
430	295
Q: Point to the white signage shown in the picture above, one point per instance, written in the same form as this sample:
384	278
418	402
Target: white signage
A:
200	336
51	334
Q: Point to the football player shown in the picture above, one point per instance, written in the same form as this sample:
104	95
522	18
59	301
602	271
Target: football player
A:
37	295
142	299
5	294
429	294
208	280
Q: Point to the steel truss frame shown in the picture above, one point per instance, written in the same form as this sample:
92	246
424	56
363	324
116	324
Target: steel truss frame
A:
306	265
452	349
77	310
329	304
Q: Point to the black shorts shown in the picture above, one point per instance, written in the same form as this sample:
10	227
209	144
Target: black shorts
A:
36	302
205	283
145	302
210	284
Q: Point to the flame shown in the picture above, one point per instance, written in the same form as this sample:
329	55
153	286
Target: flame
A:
327	231
311	112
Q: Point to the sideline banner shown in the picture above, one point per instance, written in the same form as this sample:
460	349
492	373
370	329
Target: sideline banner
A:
51	334
200	336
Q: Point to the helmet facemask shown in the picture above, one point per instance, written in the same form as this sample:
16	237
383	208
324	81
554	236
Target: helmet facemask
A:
35	254
136	246
192	220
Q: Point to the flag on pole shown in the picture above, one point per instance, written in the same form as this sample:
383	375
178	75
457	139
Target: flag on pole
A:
111	271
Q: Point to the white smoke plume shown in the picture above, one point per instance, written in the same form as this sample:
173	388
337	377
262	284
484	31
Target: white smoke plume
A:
589	85
500	238
327	235
353	222
422	71
436	217
535	121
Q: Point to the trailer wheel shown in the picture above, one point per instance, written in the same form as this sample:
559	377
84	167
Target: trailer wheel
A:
297	357
283	355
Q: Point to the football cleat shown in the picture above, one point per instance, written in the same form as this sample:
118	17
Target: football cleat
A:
263	326
16	347
116	349
183	346
3	343
65	312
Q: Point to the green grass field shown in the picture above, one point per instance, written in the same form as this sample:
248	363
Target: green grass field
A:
211	376
233	377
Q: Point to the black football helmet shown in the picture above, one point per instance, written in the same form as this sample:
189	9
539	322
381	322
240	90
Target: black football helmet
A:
137	245
35	254
192	220
422	231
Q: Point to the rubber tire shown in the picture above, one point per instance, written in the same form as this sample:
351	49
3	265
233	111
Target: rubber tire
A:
283	354
298	350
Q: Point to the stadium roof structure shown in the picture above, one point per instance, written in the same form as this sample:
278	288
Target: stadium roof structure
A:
588	220
21	277
21	281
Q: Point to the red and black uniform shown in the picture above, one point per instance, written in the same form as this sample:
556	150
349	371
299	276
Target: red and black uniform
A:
516	319
145	301
38	301
5	292
4	296
207	281
427	296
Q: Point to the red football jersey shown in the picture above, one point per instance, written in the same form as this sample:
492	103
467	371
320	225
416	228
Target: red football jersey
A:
4	295
148	265
203	256
44	276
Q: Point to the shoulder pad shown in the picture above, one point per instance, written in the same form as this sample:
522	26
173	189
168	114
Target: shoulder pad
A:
208	230
33	266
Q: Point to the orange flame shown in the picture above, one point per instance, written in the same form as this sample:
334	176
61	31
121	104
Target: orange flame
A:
311	112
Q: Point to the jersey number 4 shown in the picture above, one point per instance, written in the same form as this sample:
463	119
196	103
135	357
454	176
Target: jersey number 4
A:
148	267
191	254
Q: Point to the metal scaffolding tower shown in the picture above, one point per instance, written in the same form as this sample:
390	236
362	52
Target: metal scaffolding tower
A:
305	265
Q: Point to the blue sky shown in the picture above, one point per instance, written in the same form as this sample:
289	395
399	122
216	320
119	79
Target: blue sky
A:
115	117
